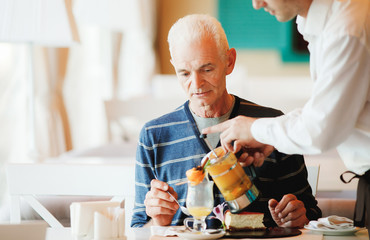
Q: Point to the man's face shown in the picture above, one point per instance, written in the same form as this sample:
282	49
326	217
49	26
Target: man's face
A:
283	10
201	72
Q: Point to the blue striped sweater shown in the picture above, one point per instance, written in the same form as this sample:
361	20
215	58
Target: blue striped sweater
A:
170	145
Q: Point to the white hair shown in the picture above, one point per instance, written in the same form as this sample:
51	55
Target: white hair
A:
195	27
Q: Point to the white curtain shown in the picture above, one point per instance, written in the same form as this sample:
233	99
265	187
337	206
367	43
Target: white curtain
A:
69	98
101	69
50	138
138	59
31	120
13	108
14	103
86	86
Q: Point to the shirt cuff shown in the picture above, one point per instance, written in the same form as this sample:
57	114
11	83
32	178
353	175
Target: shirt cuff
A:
259	130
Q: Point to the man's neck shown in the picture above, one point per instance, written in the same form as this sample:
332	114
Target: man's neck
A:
218	109
305	6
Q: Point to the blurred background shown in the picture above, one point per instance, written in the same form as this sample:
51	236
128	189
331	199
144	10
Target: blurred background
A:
53	97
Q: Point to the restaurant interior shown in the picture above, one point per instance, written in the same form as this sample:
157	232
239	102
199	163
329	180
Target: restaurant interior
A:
79	78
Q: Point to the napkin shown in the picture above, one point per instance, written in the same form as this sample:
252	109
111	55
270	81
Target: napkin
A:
332	223
99	220
109	224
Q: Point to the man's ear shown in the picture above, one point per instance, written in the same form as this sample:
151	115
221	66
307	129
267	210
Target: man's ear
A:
231	59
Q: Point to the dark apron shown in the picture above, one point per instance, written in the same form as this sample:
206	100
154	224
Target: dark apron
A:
362	210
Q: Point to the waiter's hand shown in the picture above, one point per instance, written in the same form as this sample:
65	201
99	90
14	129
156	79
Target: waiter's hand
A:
236	134
159	204
289	212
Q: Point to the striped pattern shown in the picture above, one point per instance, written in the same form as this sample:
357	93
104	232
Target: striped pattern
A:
170	145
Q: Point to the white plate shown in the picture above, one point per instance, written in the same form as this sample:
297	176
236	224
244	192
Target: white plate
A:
333	232
199	235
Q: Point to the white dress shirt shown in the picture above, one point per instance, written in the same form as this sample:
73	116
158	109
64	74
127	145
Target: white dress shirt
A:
338	112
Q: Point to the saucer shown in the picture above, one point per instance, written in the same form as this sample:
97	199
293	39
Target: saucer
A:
199	235
334	232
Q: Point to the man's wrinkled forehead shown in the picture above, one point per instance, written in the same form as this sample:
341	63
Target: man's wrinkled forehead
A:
202	48
186	44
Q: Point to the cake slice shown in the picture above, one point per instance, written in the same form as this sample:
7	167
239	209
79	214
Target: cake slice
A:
244	221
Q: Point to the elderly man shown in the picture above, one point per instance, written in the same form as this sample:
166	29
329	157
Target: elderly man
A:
171	144
337	115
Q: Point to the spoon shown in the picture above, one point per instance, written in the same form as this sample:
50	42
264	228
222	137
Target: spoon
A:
213	231
204	137
183	209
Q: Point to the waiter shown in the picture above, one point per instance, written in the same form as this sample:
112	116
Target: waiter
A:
338	112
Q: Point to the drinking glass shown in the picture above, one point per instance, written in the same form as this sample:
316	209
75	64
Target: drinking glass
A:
199	201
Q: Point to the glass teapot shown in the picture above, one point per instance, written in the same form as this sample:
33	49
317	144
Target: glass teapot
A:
235	185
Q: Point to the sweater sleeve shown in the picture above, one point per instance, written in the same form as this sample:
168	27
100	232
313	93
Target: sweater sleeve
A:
287	174
299	185
143	177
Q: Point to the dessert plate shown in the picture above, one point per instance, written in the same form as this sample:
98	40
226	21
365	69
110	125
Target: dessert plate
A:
334	232
273	232
199	235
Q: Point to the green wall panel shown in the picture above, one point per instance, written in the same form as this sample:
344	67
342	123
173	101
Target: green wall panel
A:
248	28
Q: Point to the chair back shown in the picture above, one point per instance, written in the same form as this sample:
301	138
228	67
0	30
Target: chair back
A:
313	177
27	181
125	118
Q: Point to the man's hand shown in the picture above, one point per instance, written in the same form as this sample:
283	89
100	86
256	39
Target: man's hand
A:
236	134
289	212
254	155
159	204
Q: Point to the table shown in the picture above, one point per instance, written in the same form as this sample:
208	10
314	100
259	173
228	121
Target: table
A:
145	234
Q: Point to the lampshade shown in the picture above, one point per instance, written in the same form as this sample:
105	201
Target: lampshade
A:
42	22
